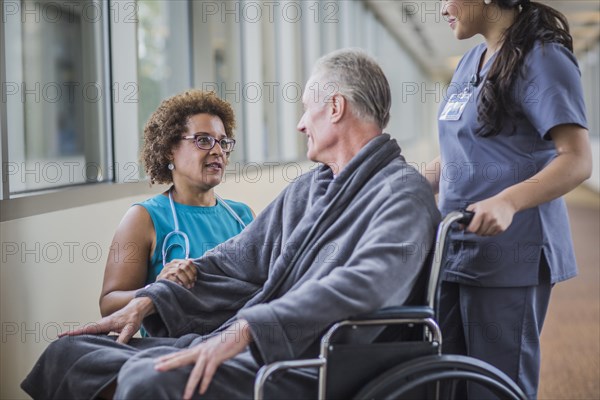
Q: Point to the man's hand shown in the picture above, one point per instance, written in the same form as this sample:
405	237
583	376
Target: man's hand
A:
208	356
180	271
125	321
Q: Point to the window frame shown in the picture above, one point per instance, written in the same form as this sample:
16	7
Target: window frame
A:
4	192
122	148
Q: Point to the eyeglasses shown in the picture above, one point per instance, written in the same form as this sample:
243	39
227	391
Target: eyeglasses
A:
207	142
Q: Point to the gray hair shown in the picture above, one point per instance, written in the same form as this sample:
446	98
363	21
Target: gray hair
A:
357	77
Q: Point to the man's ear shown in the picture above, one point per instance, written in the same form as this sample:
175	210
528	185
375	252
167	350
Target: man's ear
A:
338	107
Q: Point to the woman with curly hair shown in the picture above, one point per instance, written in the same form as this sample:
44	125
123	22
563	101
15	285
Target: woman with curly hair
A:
187	143
513	140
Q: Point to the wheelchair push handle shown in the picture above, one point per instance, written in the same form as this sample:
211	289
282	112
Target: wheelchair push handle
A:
462	217
467	217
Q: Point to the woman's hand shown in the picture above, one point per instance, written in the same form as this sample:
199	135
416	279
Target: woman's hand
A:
125	321
492	216
180	271
207	356
571	166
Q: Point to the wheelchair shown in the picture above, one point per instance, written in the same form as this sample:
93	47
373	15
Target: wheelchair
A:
410	365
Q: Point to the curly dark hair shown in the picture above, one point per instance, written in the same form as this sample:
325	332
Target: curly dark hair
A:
167	124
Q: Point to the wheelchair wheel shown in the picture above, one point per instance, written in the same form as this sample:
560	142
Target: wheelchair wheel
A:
437	377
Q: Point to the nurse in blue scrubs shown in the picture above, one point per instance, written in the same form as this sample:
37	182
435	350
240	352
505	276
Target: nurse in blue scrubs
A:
513	140
187	143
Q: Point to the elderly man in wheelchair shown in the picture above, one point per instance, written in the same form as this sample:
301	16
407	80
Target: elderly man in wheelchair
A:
347	239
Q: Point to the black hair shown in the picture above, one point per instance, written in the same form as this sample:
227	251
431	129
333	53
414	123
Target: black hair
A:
535	22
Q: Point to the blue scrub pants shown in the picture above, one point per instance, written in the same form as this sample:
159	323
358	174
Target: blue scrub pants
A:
499	325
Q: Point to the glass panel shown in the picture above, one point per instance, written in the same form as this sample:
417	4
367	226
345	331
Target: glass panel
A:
218	61
271	88
56	102
163	53
590	69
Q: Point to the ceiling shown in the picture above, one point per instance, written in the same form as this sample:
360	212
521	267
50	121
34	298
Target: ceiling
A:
422	29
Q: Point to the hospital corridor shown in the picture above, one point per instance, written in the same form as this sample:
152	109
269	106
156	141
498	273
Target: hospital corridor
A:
138	135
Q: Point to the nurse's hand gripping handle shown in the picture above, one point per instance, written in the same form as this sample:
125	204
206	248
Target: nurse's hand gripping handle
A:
462	217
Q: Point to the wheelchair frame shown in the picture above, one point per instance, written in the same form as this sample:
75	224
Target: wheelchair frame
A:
438	366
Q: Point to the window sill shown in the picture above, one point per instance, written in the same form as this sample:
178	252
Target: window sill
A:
48	201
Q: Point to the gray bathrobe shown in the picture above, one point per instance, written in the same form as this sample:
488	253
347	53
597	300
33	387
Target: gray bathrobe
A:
326	249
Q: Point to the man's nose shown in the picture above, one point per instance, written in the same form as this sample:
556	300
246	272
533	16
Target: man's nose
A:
301	127
444	10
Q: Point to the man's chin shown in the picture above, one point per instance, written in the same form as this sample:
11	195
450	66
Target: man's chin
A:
312	157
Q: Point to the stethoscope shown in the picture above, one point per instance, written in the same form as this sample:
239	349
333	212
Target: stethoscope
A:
176	232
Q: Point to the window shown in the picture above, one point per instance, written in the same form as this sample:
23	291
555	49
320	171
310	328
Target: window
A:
590	75
164	61
217	55
56	94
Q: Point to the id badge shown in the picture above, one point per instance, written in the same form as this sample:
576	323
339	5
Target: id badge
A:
455	106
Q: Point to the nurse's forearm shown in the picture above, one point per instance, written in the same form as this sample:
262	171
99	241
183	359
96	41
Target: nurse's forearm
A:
571	167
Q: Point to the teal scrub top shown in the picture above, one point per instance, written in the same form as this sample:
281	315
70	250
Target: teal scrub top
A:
206	227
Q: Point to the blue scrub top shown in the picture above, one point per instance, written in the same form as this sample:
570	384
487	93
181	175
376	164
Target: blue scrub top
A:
548	93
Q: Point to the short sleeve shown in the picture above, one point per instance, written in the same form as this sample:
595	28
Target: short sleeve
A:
242	210
247	216
550	92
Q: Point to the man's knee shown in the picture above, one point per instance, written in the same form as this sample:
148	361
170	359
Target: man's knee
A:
139	379
69	349
63	345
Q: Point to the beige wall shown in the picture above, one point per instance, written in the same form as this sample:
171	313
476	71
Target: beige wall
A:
52	267
53	264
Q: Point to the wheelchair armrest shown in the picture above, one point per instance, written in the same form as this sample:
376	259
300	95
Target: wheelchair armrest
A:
267	370
384	316
397	312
